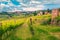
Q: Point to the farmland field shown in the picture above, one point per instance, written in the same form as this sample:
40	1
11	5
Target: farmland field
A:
23	29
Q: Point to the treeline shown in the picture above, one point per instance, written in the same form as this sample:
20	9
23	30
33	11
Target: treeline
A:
43	11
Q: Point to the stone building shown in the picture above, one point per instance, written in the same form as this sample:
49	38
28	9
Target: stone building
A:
55	13
46	13
40	13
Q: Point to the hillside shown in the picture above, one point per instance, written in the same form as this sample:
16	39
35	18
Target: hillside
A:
38	30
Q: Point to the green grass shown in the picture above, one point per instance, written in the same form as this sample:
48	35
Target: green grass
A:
55	30
52	38
41	32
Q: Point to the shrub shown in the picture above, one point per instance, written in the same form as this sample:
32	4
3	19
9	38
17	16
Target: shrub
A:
55	30
46	22
52	38
35	13
57	18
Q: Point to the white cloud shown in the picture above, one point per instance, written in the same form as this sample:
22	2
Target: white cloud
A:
47	2
14	10
30	5
40	7
3	0
57	2
22	4
32	9
35	2
10	4
51	2
3	5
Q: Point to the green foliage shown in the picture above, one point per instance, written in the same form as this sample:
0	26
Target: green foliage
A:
46	22
1	31
52	38
57	18
23	32
55	30
12	37
43	31
35	13
33	38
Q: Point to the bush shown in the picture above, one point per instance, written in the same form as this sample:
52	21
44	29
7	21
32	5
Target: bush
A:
55	30
52	38
46	22
57	18
35	13
43	31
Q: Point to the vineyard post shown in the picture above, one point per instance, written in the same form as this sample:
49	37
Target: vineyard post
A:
31	28
31	21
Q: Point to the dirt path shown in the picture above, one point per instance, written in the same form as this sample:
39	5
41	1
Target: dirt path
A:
21	32
56	34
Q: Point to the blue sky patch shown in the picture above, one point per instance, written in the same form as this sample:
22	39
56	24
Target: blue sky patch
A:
15	2
28	5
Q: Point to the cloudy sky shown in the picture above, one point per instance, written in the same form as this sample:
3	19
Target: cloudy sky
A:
28	5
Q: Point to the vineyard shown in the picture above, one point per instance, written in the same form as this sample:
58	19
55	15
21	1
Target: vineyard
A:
30	28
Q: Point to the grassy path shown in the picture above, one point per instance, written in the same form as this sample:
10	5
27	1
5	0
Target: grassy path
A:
19	32
42	32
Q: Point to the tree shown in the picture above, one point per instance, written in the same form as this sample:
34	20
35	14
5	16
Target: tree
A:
48	10
35	13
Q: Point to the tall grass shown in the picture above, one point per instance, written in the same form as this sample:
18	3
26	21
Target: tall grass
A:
34	31
9	25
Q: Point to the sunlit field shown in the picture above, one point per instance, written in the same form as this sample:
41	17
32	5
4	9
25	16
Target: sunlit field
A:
23	29
29	20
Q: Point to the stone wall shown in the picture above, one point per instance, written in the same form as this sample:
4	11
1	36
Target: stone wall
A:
55	13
